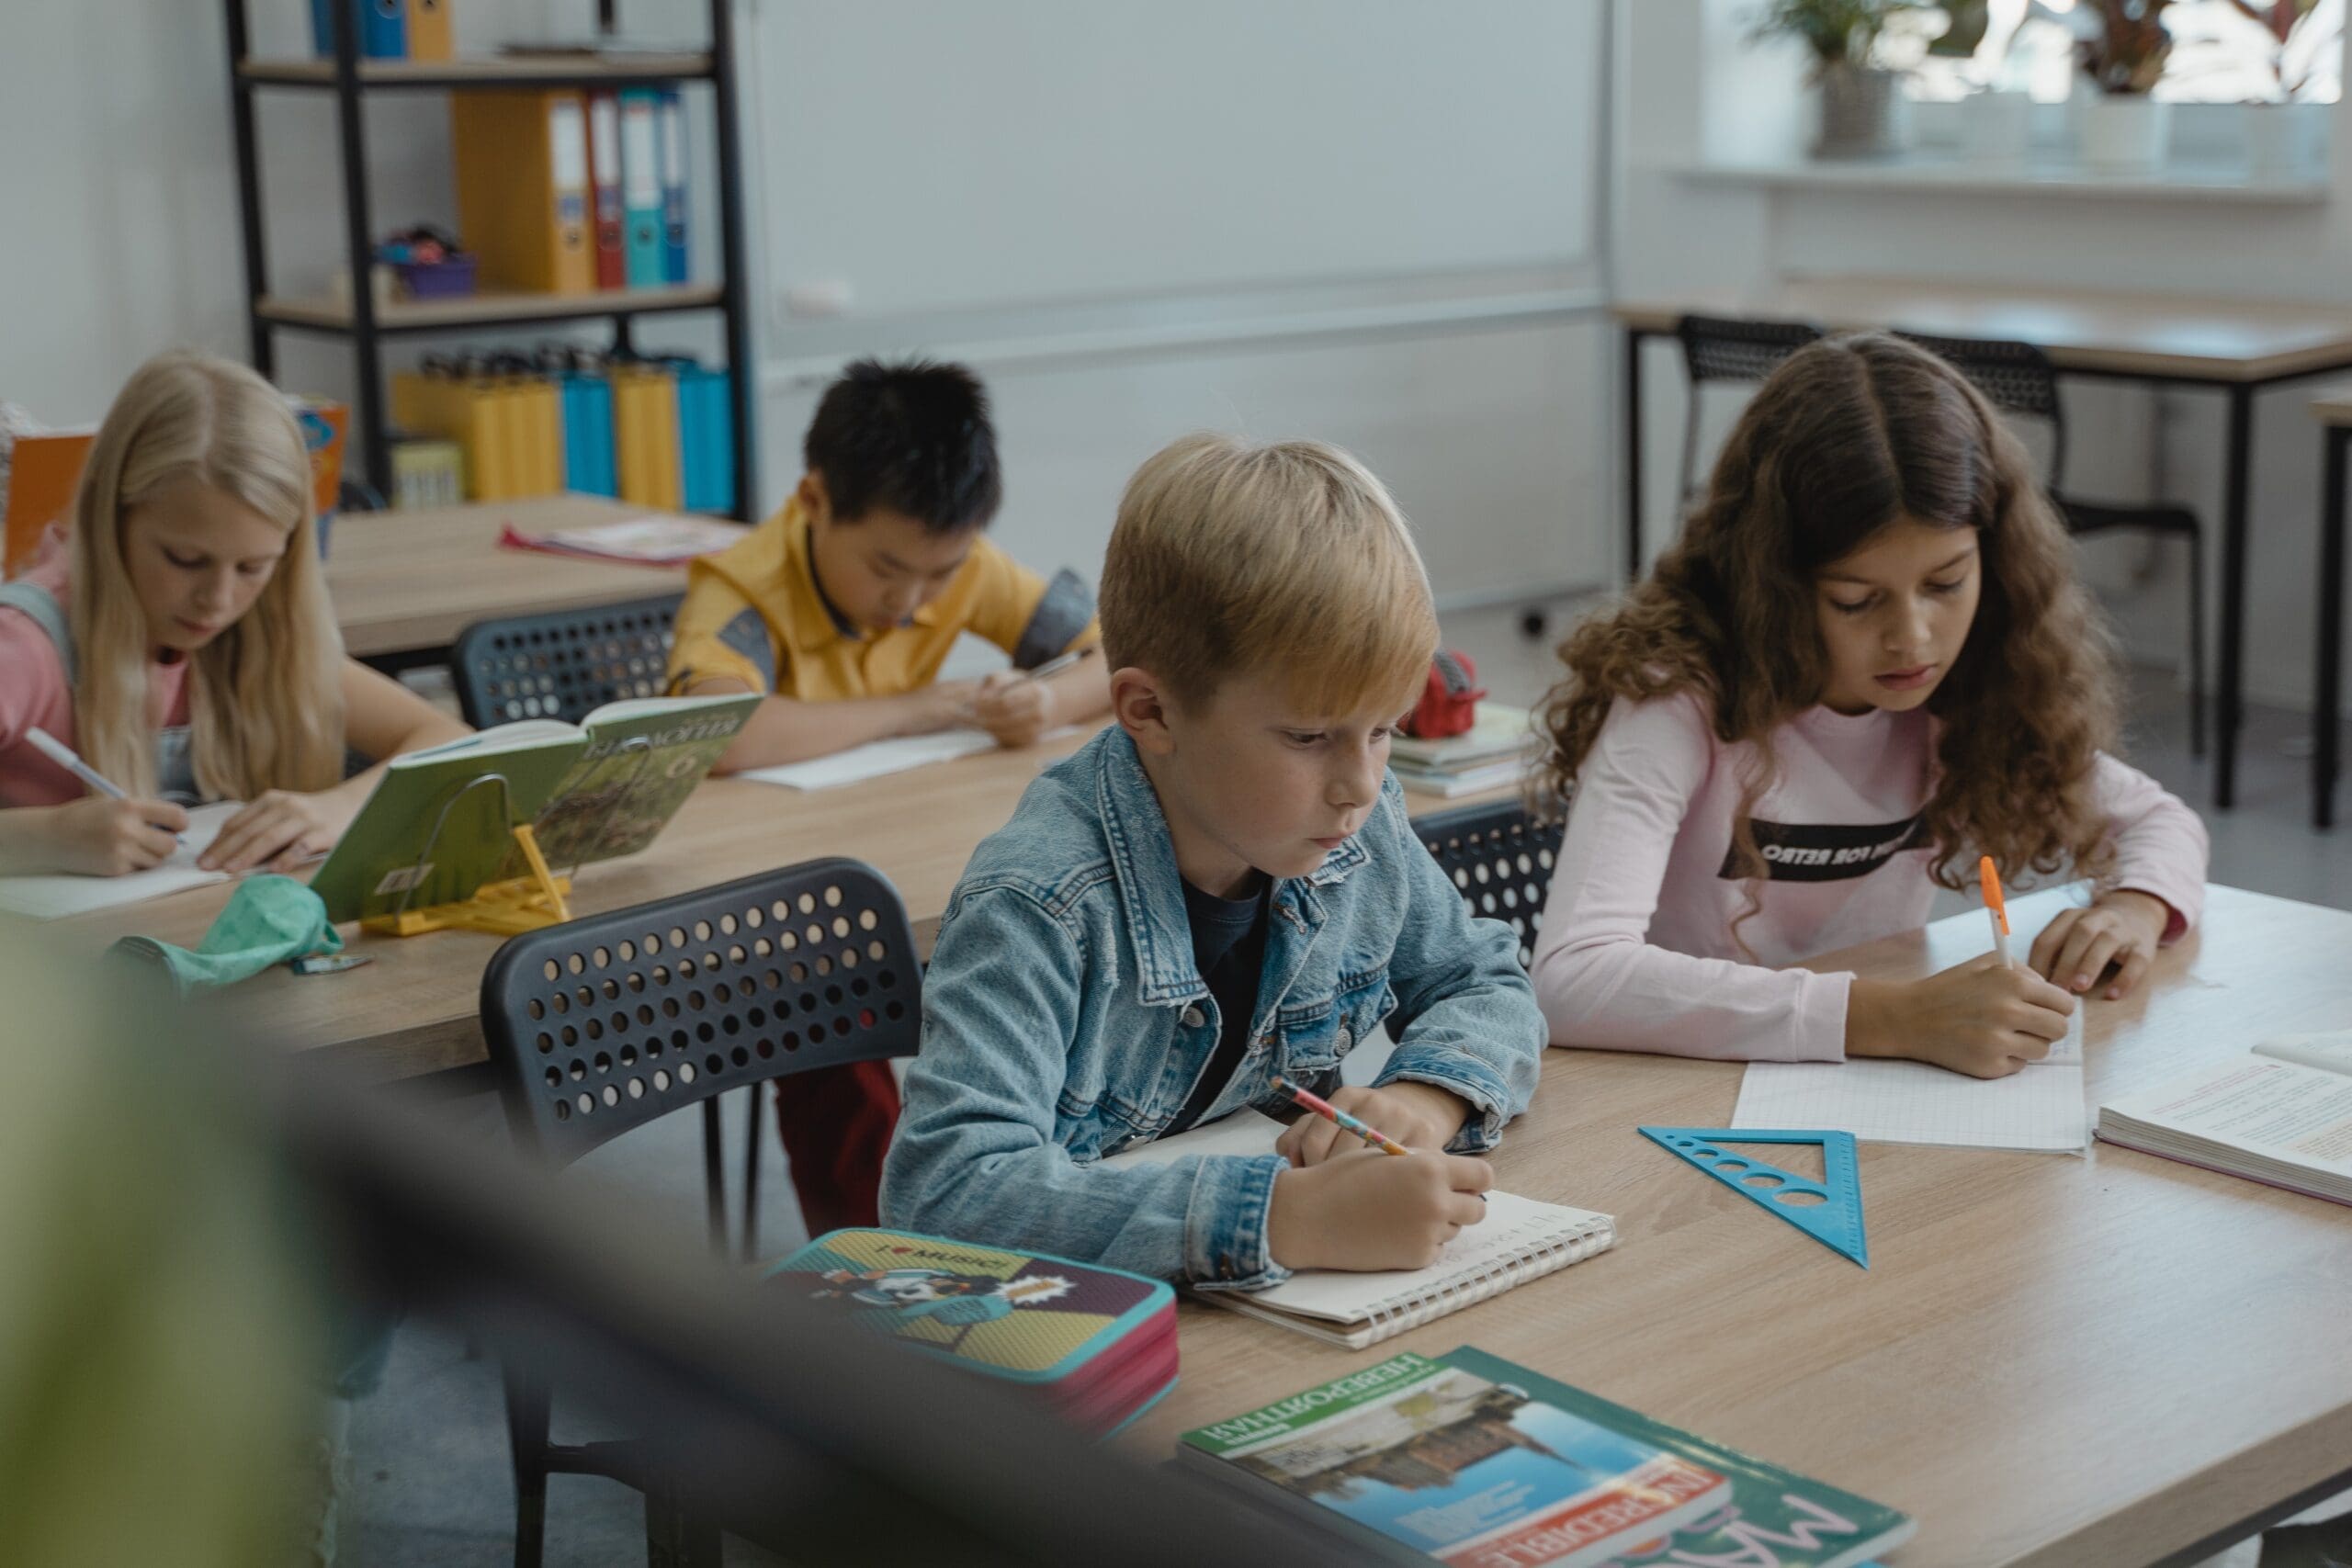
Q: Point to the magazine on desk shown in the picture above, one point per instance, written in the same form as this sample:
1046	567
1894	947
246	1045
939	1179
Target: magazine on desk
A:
2280	1113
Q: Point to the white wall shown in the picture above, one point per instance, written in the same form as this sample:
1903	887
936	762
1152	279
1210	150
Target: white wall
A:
2128	443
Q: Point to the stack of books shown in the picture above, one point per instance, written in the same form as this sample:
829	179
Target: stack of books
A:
1493	753
1097	1346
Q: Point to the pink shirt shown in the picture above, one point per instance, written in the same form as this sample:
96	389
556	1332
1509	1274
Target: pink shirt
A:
1637	950
34	692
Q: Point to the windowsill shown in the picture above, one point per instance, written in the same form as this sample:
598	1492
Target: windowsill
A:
1945	172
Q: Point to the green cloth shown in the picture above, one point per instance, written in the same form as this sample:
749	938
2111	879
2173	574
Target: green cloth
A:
269	921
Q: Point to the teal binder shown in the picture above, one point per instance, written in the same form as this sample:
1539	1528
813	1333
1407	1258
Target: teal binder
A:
642	216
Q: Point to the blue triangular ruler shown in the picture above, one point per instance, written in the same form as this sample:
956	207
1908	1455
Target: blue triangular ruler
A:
1835	1221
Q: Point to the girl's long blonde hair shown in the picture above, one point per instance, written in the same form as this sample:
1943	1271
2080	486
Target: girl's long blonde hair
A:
1845	437
265	697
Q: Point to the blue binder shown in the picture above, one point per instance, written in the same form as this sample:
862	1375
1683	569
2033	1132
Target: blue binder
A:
589	466
382	24
673	185
641	187
705	444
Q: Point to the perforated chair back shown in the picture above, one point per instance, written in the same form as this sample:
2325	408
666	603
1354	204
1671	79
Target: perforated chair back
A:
564	664
1500	859
1721	348
605	1022
2016	378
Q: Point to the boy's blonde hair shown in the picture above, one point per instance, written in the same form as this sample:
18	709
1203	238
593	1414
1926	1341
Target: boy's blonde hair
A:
265	697
1233	556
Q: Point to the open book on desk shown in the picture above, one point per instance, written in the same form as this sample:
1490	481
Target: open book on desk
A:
1519	1240
2280	1113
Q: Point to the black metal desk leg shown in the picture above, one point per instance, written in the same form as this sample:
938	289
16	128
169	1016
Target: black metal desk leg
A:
1634	336
2230	688
2326	722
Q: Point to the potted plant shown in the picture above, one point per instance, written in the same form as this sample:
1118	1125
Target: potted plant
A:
2121	47
1996	118
1858	98
2281	132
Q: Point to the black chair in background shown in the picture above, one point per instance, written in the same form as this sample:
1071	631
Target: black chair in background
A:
604	1023
564	664
1718	348
1501	858
2017	378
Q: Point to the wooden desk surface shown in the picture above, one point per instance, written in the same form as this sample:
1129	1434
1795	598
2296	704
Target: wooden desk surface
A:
415	1008
407	580
2051	1361
2127	333
2332	405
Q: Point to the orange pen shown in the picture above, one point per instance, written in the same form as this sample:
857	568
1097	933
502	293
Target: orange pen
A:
1995	906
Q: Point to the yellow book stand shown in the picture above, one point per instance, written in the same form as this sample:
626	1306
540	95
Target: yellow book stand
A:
502	908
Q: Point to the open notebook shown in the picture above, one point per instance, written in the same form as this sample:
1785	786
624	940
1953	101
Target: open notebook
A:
879	758
1519	1239
54	896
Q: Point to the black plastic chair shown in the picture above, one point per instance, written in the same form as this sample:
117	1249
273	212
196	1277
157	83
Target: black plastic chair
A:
564	664
2017	378
1501	858
604	1023
1718	348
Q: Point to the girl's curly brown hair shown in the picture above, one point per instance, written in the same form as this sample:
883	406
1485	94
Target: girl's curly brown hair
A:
1847	435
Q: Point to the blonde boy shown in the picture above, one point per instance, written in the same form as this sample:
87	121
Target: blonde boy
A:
1220	888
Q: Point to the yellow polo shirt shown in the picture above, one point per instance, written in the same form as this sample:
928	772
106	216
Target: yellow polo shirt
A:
752	611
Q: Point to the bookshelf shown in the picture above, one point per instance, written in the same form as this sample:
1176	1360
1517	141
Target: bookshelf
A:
358	319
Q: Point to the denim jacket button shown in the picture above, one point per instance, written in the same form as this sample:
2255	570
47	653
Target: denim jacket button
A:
1346	1039
1194	1018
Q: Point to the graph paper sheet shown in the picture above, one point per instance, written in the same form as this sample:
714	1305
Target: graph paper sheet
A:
2039	1109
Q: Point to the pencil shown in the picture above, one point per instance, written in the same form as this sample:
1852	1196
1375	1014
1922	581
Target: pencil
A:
1996	908
1330	1112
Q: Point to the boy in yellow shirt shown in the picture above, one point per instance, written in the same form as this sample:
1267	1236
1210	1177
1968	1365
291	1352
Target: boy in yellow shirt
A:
841	608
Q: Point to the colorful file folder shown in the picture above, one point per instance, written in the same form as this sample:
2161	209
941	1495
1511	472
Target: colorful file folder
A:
641	187
428	30
523	191
604	184
673	186
706	450
645	430
590	467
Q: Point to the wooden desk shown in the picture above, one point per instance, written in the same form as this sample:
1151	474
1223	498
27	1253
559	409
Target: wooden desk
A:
2333	409
416	1009
2051	1361
2236	347
405	583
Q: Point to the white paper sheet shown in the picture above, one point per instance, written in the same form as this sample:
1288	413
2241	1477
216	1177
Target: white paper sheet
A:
51	897
880	758
2040	1108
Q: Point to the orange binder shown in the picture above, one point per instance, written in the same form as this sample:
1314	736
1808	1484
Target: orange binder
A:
645	432
428	30
42	473
523	190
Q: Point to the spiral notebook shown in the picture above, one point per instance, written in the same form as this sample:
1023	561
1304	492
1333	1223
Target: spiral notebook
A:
1520	1240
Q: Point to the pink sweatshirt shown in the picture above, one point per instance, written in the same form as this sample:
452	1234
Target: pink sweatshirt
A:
35	692
1637	952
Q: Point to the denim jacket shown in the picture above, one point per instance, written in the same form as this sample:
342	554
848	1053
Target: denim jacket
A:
1064	1020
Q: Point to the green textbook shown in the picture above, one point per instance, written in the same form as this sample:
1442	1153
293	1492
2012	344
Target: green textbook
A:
439	823
1481	1463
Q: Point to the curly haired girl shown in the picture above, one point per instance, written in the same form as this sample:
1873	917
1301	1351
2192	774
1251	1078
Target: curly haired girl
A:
1864	663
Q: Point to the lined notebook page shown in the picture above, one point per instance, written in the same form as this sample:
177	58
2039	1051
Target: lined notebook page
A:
2039	1109
1520	1238
51	897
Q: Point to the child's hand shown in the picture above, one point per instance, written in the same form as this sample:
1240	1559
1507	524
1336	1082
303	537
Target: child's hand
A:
944	705
1418	1115
1369	1210
1016	711
278	831
1982	1017
2120	930
104	837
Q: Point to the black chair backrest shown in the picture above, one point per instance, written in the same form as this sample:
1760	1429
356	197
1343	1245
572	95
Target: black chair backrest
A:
1500	859
564	664
2016	378
605	1022
1718	348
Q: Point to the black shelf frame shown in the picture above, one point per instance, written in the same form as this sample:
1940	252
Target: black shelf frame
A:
365	330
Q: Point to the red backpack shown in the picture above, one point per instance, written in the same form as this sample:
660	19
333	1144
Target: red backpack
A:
1449	704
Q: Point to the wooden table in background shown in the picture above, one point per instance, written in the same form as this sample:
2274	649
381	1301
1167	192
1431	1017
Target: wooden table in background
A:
2237	347
2333	409
2051	1361
416	1009
405	583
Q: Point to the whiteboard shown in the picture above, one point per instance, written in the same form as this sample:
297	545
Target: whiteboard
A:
940	156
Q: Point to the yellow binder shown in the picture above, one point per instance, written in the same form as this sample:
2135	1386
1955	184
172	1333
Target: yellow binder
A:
508	427
522	162
428	30
645	431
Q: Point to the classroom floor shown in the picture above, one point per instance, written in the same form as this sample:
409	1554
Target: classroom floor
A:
430	1485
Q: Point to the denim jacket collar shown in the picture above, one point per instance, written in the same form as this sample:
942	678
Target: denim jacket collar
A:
1151	891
